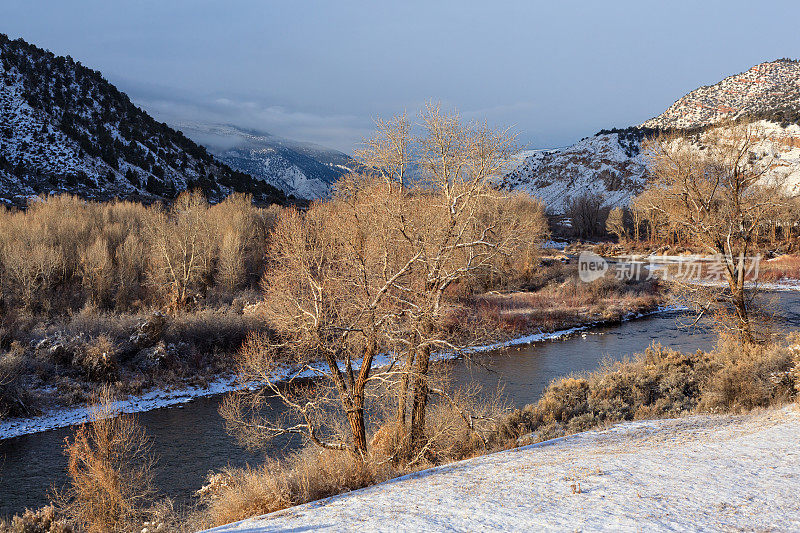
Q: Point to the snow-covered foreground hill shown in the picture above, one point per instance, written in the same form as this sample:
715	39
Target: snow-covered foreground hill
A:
699	473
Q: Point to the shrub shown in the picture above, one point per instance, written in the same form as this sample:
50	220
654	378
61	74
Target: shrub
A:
14	399
659	383
212	330
745	377
98	358
109	468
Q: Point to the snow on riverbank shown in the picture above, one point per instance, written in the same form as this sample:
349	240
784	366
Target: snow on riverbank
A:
698	473
555	335
63	417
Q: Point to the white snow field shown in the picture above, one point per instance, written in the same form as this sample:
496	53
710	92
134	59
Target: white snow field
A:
698	473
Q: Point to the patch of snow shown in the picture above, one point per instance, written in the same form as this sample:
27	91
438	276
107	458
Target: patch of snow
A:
698	473
555	245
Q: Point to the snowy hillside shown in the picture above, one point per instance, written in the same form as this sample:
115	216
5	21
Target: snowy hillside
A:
64	128
611	164
783	145
301	169
699	473
762	90
595	165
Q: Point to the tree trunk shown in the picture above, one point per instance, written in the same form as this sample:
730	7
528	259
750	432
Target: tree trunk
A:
355	414
742	317
736	282
358	430
402	394
420	399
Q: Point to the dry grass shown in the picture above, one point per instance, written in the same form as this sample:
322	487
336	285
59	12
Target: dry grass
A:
462	425
784	267
44	520
305	476
565	302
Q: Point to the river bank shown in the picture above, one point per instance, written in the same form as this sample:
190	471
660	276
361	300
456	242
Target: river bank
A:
59	417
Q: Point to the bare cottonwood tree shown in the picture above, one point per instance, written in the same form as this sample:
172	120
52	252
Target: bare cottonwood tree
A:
369	271
718	194
388	151
586	213
331	271
462	227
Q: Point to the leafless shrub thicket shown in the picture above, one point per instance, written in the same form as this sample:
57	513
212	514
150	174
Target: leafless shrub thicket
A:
63	252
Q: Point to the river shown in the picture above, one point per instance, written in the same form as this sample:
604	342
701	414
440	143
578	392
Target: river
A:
190	440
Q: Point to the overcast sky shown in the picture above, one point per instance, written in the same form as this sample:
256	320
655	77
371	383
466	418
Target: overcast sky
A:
321	71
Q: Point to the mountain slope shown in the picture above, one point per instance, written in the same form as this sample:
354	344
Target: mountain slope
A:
610	163
761	91
605	164
64	128
303	170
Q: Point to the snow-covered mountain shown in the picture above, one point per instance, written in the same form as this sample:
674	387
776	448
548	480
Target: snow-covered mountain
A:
64	128
303	170
611	164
